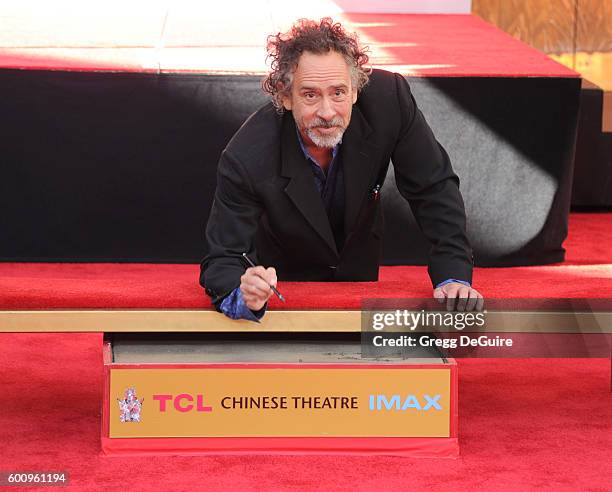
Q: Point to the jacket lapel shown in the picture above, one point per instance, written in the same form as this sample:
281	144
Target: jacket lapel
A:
301	188
360	161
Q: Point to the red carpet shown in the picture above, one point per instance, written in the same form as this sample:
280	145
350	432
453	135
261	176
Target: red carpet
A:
587	273
524	424
227	39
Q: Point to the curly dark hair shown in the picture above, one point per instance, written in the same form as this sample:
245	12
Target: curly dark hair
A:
285	50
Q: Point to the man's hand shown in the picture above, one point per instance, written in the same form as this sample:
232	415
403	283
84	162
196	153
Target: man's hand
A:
467	299
255	286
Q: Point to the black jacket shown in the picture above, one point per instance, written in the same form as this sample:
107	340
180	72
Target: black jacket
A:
267	205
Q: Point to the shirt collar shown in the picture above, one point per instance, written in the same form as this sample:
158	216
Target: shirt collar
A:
307	154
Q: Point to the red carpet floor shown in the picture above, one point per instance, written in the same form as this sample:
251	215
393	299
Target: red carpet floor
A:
230	38
524	424
587	273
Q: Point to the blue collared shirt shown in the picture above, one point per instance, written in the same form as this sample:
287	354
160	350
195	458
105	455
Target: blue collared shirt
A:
234	307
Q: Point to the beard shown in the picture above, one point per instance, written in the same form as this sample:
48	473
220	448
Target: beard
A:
325	141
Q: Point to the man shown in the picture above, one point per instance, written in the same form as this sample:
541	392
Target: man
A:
299	184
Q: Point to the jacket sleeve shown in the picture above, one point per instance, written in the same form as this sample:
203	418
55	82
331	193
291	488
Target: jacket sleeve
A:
230	230
425	178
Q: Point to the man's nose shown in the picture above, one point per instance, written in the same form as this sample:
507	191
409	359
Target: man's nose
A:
325	110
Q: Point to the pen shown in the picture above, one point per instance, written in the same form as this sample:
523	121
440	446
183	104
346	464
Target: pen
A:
279	295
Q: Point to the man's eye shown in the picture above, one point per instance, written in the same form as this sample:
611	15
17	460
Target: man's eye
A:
309	95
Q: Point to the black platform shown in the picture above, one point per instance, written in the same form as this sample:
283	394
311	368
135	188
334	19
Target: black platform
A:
121	166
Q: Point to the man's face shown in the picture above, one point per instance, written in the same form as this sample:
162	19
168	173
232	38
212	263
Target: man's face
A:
321	98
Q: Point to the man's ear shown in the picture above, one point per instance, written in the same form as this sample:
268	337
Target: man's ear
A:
286	99
355	94
285	96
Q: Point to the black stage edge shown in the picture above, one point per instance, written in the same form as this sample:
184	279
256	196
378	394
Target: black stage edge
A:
121	167
592	185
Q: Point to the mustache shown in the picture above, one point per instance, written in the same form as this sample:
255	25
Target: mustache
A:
321	123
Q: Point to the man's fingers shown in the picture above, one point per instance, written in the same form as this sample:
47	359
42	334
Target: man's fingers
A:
255	286
256	270
254	303
463	295
258	276
473	299
443	293
261	292
439	295
451	295
251	283
270	276
459	297
480	303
